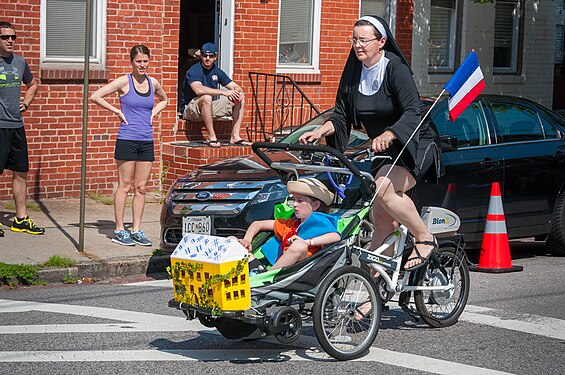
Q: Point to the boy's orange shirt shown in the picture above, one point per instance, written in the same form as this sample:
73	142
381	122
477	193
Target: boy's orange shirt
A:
285	229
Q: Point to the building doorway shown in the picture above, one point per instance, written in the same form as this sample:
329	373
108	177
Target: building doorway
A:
203	21
197	26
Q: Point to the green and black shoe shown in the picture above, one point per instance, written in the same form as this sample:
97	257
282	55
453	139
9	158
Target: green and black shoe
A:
26	225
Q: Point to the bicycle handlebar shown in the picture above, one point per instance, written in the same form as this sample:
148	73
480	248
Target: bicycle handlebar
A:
366	183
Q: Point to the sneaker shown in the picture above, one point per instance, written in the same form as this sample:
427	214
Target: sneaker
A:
1	230
140	238
26	225
123	238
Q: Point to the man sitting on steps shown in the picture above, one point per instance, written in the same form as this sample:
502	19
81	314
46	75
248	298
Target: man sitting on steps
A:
202	100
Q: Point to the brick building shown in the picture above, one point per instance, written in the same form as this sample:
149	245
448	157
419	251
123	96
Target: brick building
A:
303	39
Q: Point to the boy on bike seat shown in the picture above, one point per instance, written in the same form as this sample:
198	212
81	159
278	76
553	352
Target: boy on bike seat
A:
308	231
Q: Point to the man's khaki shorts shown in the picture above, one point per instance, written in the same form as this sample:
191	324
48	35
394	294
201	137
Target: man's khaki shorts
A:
221	107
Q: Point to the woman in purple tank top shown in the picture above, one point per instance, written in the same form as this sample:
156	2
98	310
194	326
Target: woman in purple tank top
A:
134	151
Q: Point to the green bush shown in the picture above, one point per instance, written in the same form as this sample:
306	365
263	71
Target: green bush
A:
14	274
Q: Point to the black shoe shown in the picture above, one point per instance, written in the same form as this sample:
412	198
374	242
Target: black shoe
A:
26	225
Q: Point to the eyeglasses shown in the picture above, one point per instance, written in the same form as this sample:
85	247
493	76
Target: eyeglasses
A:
361	42
209	55
6	37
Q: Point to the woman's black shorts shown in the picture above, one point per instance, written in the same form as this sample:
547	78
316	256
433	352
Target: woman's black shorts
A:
405	161
134	150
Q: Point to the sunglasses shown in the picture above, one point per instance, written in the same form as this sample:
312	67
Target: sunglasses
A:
209	55
6	37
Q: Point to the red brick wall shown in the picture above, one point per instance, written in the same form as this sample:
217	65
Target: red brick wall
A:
256	37
54	121
404	19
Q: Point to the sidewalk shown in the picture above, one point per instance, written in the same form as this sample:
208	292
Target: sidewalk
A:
100	258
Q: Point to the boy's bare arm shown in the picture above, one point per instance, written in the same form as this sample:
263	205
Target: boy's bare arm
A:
254	228
324	239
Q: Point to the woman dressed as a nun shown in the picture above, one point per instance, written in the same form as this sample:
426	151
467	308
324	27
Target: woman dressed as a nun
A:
377	91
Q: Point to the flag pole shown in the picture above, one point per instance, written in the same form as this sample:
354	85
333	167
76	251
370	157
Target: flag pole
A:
87	46
405	145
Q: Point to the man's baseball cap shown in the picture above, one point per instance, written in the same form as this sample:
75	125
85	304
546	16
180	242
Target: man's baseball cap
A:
209	48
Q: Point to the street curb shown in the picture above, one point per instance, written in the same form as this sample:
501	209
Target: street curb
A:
108	268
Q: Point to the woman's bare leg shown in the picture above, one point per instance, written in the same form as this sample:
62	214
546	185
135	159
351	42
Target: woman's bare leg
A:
126	169
392	198
142	174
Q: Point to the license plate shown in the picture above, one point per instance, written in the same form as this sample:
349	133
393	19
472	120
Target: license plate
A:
196	224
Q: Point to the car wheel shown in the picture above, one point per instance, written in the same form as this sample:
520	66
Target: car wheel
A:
556	239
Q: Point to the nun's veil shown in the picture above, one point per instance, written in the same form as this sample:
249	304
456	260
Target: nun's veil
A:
390	46
349	82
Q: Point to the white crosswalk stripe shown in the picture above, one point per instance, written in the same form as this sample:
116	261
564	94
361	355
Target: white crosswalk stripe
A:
306	348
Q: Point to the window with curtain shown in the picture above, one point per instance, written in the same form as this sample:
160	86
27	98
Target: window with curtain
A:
63	30
441	42
379	8
298	33
507	32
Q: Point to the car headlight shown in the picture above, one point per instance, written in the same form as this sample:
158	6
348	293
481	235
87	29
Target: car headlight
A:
271	192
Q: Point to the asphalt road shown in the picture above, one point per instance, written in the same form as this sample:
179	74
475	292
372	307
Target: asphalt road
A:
514	323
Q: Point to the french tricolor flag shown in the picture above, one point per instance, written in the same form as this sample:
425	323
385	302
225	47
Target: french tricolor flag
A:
465	85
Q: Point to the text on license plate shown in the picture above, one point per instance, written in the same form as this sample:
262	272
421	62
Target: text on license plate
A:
196	224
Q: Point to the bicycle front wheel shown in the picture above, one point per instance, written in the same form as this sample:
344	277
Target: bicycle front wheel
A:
442	308
347	313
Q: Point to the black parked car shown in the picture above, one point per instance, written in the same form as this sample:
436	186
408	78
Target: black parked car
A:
510	140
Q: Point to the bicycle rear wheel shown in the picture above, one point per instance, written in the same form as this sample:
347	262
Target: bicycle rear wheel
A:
343	332
443	308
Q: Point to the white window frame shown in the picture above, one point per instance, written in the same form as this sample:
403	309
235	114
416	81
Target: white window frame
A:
99	6
515	48
450	66
314	66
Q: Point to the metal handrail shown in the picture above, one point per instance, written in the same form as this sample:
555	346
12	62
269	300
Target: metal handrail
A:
279	105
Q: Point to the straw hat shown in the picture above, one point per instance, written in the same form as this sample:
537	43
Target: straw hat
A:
311	187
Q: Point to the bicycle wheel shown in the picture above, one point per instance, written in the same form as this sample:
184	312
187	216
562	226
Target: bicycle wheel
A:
443	308
341	329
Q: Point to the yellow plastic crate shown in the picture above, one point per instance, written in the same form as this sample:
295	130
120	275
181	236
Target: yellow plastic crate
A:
198	267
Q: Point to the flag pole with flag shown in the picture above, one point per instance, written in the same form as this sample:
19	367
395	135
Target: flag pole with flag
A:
465	85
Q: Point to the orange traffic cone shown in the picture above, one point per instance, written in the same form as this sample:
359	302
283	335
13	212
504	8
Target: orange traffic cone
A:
450	200
495	250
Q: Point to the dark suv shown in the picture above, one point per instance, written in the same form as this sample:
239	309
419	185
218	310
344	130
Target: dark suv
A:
510	140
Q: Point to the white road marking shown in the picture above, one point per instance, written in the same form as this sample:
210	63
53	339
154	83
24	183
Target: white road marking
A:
412	361
527	323
126	321
132	321
531	324
155	283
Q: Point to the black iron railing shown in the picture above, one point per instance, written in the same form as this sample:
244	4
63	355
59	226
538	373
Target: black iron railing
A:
278	106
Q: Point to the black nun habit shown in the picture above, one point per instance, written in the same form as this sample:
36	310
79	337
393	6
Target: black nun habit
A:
422	156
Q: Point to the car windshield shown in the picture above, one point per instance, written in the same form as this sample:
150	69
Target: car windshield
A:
356	139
